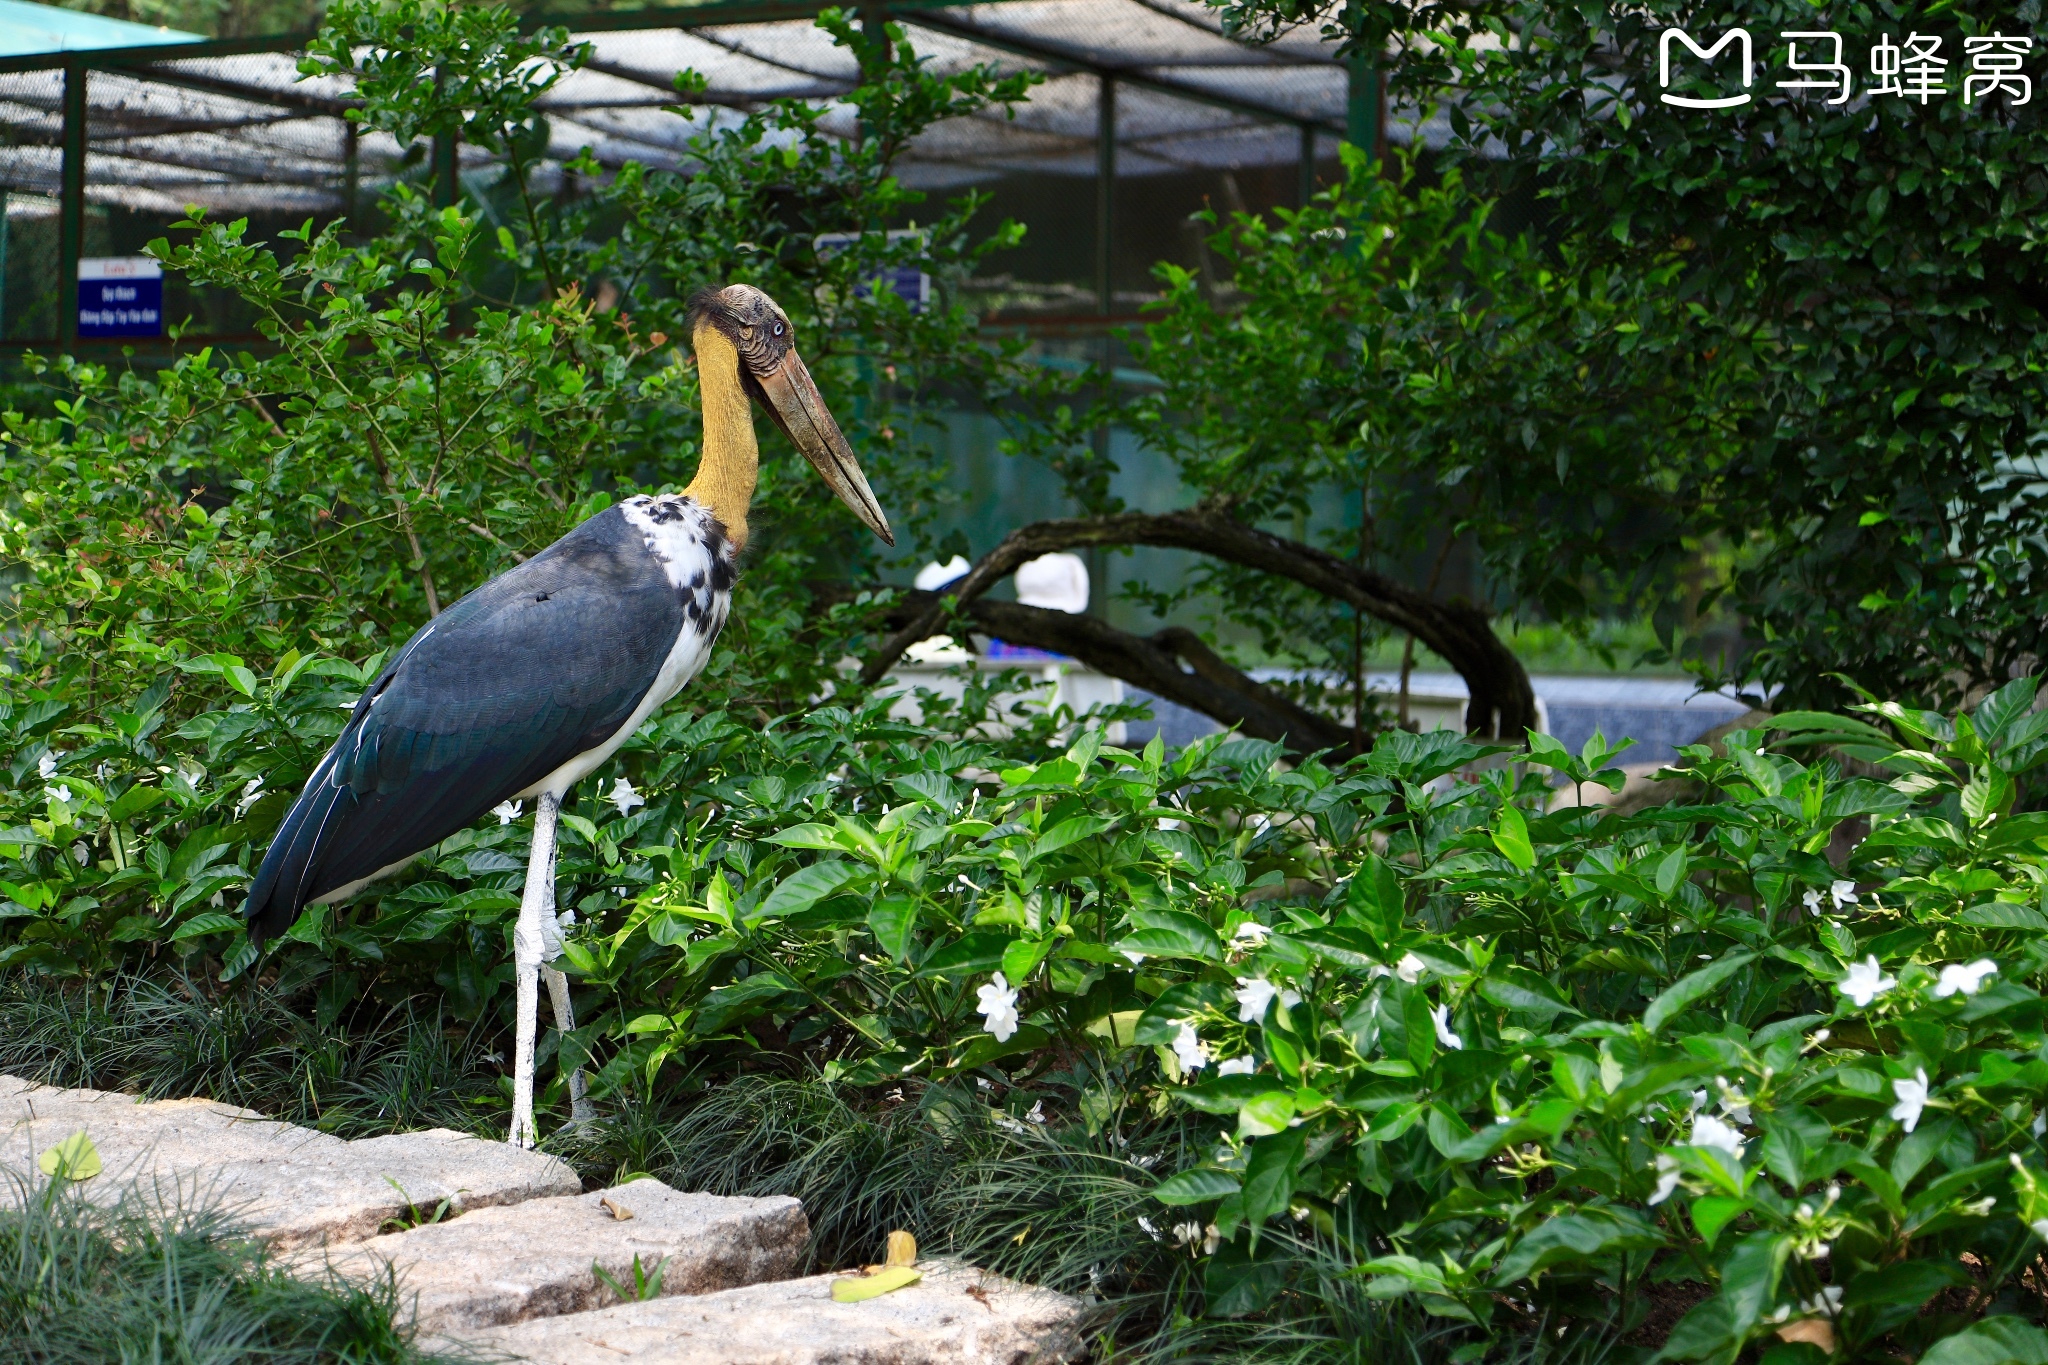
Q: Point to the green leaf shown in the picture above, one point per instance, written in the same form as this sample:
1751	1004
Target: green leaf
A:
1174	934
1265	1114
893	921
1712	1212
1581	1239
1022	957
1270	1172
1993	1341
975	954
75	1158
212	922
805	887
1749	1276
1511	837
808	836
883	1281
1517	988
1195	1187
1684	991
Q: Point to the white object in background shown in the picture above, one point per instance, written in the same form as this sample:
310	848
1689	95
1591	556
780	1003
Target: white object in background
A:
939	649
1056	582
935	575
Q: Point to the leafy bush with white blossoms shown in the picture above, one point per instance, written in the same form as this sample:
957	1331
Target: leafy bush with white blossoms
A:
1775	1052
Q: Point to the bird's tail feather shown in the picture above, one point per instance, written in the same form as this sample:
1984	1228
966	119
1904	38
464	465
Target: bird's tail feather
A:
285	880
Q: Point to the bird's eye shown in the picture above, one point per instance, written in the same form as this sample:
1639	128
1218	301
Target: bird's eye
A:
778	329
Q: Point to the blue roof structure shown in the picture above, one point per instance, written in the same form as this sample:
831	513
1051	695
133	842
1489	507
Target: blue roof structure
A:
28	30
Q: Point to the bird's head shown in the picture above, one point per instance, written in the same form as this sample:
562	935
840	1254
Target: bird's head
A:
774	375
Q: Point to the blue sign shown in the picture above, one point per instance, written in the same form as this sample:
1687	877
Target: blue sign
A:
120	296
906	282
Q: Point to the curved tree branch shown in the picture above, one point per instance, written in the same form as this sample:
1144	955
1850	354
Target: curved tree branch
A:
1213	687
1502	703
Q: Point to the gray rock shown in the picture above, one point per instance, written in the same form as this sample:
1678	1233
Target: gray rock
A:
535	1259
292	1186
795	1322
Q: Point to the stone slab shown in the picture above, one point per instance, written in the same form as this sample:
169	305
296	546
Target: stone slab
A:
292	1186
937	1321
535	1260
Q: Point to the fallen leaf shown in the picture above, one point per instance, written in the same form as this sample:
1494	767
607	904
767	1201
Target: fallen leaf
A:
1814	1331
902	1249
620	1213
75	1158
884	1281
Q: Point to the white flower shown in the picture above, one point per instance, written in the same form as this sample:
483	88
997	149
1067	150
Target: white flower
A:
2040	1124
1253	995
1812	902
1734	1103
1842	893
57	793
1190	1235
46	766
1189	1049
1037	1114
1137	959
1708	1131
998	1004
624	797
249	795
1667	1179
1912	1099
1821	1035
1865	982
1968	978
79	854
1828	1301
1699	1102
1441	1016
1251	933
1145	1226
1410	968
506	811
1238	1066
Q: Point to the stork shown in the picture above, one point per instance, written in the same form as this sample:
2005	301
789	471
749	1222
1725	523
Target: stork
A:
533	680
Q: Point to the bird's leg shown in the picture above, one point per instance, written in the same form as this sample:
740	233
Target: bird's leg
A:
526	948
551	926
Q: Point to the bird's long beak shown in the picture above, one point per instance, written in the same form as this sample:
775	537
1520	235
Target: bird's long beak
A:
799	409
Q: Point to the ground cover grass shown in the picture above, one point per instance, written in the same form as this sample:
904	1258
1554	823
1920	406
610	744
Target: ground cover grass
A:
83	1285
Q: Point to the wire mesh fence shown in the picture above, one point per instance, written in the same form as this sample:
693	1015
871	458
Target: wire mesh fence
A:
1193	118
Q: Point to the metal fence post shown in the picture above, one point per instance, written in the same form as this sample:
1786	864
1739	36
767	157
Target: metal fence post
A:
1364	105
71	204
1105	192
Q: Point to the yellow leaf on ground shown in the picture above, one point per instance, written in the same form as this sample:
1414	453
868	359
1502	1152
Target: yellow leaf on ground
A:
75	1158
883	1281
902	1249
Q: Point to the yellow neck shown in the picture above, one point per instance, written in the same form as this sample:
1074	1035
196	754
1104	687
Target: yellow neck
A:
731	461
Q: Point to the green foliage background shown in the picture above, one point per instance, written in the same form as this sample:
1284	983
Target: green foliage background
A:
1424	1050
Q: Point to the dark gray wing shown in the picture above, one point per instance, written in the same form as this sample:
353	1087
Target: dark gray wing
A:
540	664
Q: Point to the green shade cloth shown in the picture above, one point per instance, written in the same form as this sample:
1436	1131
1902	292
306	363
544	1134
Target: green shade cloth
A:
26	30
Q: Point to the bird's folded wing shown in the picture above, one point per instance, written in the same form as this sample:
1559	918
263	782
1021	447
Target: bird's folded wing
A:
536	667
